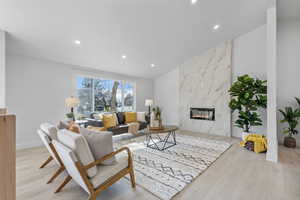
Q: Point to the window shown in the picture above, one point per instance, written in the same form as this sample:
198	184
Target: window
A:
104	95
128	97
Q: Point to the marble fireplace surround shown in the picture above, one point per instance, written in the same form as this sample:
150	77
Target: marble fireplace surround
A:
204	83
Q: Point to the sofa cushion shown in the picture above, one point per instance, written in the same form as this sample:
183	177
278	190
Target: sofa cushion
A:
100	143
80	146
130	117
141	116
109	120
50	130
121	117
106	172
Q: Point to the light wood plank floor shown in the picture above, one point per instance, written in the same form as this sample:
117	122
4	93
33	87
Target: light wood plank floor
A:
237	174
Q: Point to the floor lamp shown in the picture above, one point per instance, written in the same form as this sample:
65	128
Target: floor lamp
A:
149	103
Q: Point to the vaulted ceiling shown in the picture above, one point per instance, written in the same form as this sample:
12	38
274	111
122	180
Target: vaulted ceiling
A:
160	32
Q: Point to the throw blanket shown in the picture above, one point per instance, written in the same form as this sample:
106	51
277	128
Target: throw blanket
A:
260	142
133	128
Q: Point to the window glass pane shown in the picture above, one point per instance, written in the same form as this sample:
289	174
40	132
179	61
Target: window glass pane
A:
84	92
119	98
107	95
128	97
99	98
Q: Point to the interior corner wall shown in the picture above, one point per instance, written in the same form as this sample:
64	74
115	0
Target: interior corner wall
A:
288	81
2	70
248	57
36	91
166	95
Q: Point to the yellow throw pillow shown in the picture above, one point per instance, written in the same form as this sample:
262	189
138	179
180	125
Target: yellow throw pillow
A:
109	120
130	117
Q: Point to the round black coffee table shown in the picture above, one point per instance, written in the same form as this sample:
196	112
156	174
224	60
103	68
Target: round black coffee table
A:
161	139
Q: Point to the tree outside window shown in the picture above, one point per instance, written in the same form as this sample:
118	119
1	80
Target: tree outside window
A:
104	95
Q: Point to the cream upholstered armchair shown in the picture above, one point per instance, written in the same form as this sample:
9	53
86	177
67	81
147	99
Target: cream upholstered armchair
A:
48	133
87	172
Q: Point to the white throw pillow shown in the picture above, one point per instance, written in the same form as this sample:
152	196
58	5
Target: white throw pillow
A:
100	143
116	118
141	116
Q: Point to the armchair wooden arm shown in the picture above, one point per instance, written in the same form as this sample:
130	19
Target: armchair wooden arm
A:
95	191
108	156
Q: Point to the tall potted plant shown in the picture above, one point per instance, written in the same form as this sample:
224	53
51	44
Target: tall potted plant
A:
291	117
247	95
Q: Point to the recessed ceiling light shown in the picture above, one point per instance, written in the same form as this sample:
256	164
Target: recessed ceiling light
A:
77	42
193	2
152	65
216	27
124	56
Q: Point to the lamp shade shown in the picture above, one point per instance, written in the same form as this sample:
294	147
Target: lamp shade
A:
149	102
72	102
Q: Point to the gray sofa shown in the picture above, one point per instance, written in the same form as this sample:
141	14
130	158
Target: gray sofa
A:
121	128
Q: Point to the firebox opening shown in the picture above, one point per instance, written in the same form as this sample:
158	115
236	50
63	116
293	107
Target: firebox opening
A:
202	113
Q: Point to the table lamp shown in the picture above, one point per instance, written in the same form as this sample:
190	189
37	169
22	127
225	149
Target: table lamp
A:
72	102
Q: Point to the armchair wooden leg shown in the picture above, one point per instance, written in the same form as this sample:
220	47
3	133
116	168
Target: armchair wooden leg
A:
59	171
46	162
93	197
66	181
132	178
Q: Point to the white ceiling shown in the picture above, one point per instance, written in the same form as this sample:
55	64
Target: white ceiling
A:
163	32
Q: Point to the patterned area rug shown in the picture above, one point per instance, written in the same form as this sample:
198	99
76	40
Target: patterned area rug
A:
166	173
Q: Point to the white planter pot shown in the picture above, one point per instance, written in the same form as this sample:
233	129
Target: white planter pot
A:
244	135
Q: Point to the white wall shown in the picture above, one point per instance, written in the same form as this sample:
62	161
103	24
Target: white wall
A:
2	69
249	57
272	153
36	90
166	94
288	80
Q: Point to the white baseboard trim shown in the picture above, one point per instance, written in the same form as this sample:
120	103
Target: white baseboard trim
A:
27	145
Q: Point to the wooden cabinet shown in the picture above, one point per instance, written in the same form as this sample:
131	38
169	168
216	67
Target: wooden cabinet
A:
7	157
